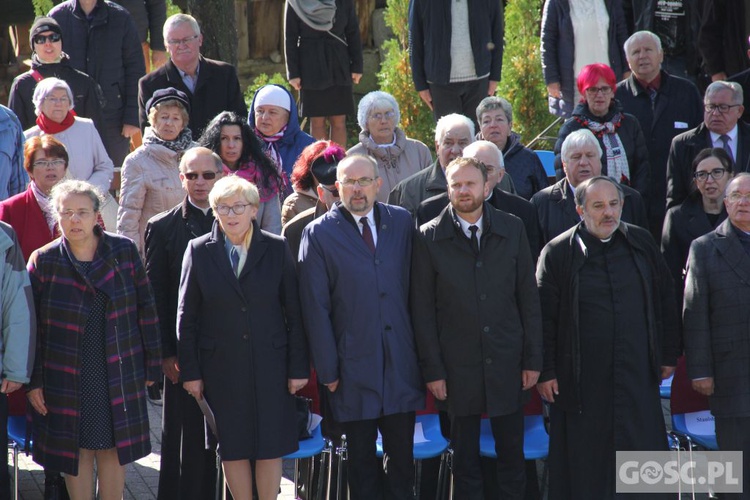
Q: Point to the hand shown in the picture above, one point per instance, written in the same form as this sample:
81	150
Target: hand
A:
718	76
528	379
129	131
158	59
295	384
9	386
356	77
333	385
667	371
296	83
491	87
194	388
553	89
704	386
170	369
548	390
426	97
439	389
36	398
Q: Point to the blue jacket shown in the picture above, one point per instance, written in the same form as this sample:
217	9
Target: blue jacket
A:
13	177
430	39
356	311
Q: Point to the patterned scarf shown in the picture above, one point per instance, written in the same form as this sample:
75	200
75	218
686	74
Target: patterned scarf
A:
45	203
269	141
268	188
387	156
617	160
183	141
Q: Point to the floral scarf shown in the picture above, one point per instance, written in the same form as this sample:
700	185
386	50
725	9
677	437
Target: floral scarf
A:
45	203
180	144
617	160
269	143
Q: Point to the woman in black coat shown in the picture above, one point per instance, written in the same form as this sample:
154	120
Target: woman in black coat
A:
624	151
242	343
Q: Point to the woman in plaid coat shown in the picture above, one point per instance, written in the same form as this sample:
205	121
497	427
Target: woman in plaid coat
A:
97	348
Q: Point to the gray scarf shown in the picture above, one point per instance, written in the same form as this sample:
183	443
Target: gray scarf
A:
317	14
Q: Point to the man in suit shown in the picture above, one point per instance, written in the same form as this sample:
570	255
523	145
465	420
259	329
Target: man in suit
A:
493	160
476	260
721	128
715	320
212	86
555	205
188	470
354	285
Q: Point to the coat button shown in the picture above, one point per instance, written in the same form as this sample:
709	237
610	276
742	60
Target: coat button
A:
382	295
479	263
388	328
483	296
244	309
488	361
486	329
245	337
377	262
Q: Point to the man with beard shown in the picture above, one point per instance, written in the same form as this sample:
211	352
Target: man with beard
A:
467	264
611	334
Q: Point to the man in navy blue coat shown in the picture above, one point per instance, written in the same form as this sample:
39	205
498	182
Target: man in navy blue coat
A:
354	288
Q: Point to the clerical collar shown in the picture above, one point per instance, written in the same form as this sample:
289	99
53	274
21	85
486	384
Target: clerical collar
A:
204	210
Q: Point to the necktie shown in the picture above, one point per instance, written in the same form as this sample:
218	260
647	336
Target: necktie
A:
652	95
367	234
725	145
474	239
234	256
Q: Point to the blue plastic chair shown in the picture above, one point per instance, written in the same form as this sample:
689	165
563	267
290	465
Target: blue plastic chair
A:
686	403
679	426
548	161
17	441
308	448
535	438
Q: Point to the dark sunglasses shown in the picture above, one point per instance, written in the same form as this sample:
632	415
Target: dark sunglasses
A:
209	176
42	39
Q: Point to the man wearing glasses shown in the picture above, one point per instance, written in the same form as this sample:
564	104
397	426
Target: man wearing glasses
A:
187	468
354	286
721	128
212	86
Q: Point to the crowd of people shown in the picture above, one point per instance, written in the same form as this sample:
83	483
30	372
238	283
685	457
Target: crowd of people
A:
238	262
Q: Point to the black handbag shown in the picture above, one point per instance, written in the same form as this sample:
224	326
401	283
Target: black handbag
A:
302	412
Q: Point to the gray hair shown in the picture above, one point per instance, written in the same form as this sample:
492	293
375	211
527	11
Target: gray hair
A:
741	175
472	149
373	100
45	88
66	188
576	140
178	19
449	121
718	86
352	158
582	189
231	185
493	102
642	34
197	151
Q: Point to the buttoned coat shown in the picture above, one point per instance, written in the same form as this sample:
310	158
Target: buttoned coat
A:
716	319
356	314
477	318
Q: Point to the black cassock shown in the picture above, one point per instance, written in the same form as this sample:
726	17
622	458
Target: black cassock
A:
619	394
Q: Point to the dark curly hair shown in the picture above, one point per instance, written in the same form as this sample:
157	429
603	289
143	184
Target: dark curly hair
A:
252	148
302	176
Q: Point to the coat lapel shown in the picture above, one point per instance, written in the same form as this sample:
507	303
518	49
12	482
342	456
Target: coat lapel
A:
729	247
258	247
215	247
568	204
350	232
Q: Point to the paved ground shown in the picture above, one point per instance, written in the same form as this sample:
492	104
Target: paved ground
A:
141	477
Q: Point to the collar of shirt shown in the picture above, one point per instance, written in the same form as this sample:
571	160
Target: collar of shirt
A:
190	80
370	219
240	249
392	143
205	211
716	139
654	84
465	226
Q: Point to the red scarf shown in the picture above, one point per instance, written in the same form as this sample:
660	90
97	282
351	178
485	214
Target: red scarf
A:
51	127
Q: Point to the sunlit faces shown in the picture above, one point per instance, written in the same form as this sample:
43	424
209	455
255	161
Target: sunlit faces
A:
599	97
381	123
737	202
358	184
495	127
717	121
583	163
270	119
235	225
602	210
490	157
48	51
644	58
467	189
56	105
47	170
711	178
453	143
168	122
184	46
231	144
199	178
77	217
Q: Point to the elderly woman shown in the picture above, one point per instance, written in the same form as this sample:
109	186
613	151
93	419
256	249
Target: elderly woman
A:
273	117
242	153
700	213
97	348
576	33
495	118
53	101
305	195
241	341
398	157
624	152
150	174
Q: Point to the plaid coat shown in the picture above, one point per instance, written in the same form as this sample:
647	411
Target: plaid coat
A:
63	299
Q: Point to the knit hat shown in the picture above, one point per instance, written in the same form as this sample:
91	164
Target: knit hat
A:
43	24
168	94
271	95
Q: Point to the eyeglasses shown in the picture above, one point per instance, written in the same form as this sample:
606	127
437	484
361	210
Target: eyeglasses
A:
81	214
362	181
388	115
182	41
334	192
57	100
592	91
209	176
237	208
737	197
715	174
59	162
42	39
721	108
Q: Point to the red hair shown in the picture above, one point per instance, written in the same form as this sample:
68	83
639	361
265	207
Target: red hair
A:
590	75
47	143
302	177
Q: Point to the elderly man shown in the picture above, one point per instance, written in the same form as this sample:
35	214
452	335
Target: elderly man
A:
665	106
487	153
467	264
715	320
354	284
212	86
555	205
452	134
611	335
721	128
188	470
495	117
